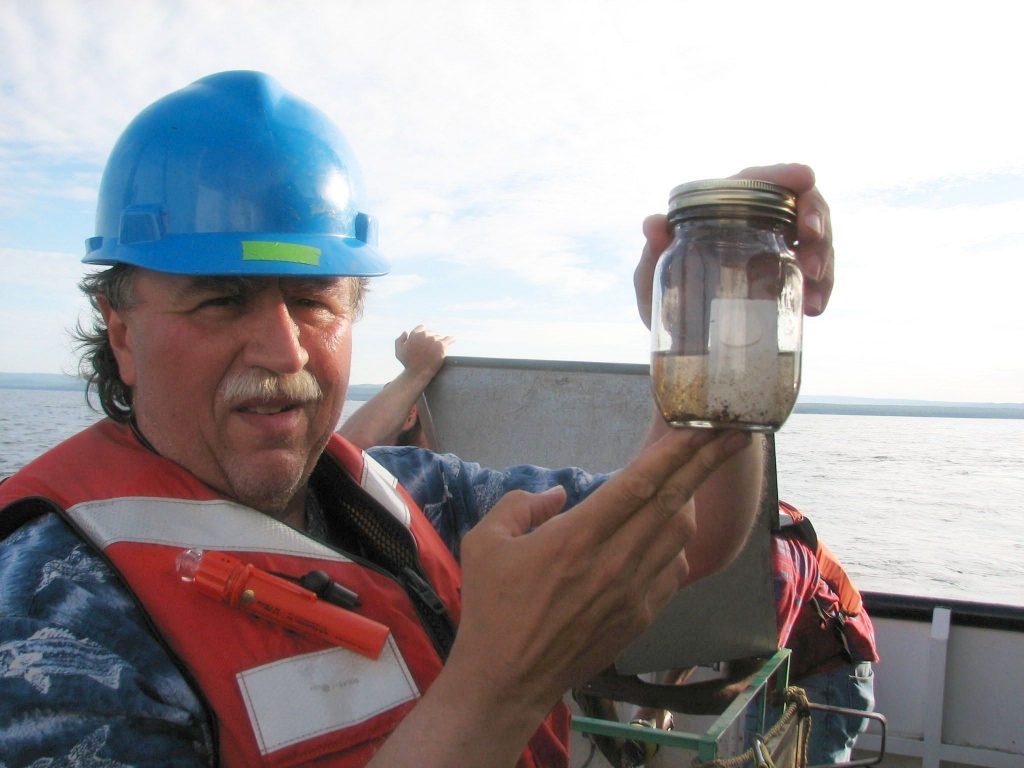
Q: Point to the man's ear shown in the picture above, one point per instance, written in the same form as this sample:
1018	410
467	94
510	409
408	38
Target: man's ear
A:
410	420
119	337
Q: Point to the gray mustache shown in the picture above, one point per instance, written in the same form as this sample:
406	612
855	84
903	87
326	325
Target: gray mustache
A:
261	384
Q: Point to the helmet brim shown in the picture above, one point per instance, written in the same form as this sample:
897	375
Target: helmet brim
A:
256	253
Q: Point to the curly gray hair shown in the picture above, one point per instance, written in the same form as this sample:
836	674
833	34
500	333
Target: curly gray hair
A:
97	365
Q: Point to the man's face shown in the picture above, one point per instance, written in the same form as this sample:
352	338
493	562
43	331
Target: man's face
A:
224	375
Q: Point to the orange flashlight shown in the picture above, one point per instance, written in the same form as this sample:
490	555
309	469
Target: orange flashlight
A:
278	600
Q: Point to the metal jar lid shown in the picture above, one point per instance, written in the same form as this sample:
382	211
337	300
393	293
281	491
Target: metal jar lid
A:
718	196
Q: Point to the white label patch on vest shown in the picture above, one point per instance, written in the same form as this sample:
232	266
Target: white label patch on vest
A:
302	697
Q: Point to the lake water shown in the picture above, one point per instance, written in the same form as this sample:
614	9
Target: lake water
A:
912	505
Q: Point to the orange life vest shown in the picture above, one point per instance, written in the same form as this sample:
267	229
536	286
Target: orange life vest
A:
828	566
279	699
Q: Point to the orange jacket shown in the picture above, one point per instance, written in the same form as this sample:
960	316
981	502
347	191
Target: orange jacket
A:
831	571
832	627
279	699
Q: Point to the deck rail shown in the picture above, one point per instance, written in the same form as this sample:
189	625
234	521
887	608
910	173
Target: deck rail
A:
966	683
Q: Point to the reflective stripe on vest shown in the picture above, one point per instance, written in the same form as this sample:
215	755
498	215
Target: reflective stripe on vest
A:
216	524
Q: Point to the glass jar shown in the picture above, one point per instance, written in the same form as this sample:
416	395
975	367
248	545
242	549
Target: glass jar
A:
727	310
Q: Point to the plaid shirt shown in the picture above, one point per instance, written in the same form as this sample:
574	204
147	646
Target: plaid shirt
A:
797	582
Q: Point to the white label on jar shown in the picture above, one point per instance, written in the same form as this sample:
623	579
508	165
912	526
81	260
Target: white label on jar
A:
743	352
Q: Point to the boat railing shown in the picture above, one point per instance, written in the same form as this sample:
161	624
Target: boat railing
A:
950	680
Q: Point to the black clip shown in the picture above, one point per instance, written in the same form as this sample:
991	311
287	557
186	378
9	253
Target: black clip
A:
320	584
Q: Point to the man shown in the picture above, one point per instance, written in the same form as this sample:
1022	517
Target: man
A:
229	216
822	620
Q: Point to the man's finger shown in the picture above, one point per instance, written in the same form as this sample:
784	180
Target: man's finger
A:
814	229
666	524
632	487
518	512
657	236
816	293
797	177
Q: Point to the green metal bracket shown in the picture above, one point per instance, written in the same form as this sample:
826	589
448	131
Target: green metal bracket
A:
706	744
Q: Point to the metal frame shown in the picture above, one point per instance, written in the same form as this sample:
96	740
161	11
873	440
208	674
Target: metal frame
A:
879	718
705	744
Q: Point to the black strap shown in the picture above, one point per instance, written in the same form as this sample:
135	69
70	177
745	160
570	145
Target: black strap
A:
361	526
804	531
836	624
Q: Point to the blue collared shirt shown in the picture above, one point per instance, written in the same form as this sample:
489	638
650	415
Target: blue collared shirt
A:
455	494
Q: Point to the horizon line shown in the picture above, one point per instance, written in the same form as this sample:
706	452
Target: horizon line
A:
805	398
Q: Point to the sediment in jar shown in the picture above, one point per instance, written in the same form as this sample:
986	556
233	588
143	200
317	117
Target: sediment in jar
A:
760	396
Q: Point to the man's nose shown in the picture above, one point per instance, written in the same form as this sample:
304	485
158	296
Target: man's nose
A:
275	340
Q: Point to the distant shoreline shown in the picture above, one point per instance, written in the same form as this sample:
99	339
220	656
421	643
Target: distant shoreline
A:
965	411
56	381
836	406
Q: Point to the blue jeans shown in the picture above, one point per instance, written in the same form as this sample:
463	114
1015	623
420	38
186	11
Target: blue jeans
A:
832	734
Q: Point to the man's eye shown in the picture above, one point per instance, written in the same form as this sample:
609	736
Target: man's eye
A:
314	303
221	301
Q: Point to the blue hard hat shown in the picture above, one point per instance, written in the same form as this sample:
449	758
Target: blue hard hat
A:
234	175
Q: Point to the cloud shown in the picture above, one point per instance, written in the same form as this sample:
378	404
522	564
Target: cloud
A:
40	273
506	304
512	149
394	285
39	305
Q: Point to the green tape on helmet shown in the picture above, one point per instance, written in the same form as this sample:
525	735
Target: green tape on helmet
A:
258	250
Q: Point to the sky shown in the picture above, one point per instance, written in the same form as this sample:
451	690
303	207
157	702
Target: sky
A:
511	150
